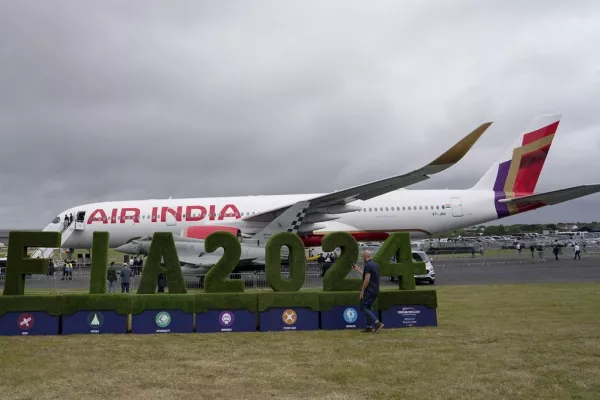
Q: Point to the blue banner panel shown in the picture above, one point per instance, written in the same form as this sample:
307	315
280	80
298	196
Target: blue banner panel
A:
162	321
94	322
287	319
28	323
343	317
226	321
411	315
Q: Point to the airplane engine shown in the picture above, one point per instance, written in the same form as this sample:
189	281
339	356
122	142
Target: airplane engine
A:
315	240
202	232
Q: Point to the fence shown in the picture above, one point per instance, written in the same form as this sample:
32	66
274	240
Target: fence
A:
492	255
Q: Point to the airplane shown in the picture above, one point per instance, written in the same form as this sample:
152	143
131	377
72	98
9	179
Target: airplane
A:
369	212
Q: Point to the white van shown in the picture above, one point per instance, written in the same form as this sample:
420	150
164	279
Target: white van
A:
429	277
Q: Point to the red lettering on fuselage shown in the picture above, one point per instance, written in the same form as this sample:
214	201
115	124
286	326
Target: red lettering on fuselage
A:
99	216
192	213
176	214
135	217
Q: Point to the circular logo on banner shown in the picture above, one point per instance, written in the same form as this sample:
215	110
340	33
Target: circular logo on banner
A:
163	319
95	320
350	315
25	321
226	318
289	317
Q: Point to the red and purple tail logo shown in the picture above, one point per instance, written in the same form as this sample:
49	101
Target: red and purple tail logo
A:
519	176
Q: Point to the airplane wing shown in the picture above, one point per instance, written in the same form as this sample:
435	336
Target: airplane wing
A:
554	197
377	188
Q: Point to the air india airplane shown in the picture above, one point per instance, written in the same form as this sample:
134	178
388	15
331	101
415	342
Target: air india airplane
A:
369	212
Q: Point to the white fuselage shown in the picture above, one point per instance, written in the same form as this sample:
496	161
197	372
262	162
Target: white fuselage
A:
420	212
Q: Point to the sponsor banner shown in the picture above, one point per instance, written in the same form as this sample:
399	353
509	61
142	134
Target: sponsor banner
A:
408	316
289	319
94	322
162	321
343	317
226	321
28	323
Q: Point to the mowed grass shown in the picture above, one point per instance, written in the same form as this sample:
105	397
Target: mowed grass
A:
493	342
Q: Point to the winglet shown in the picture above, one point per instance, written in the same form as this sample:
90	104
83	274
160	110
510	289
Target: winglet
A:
460	149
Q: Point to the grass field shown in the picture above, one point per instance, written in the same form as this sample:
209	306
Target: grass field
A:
533	341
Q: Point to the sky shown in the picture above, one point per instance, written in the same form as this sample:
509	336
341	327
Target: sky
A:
110	100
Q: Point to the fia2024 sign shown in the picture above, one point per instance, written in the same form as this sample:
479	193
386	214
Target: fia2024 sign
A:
217	281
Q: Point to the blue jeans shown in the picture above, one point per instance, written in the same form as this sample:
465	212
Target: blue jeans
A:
365	306
111	286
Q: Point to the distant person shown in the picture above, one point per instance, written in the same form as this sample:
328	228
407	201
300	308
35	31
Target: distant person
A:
111	277
51	269
162	282
140	264
519	248
532	248
577	252
369	291
325	267
70	218
125	278
556	250
66	221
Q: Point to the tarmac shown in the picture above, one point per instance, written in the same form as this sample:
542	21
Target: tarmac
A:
462	271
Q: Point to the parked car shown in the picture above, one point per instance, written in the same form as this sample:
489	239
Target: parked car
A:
429	277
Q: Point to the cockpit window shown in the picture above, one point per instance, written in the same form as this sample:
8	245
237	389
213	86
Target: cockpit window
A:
56	220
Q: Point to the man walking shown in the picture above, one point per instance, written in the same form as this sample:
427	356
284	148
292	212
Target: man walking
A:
125	278
369	291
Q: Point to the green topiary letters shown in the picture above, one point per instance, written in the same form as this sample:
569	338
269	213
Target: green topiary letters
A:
296	259
163	246
99	263
216	280
398	244
18	264
335	278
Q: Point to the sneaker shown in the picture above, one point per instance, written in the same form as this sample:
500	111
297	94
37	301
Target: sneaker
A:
367	330
378	327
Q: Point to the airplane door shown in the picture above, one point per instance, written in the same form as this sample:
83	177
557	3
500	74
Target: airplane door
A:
457	208
171	220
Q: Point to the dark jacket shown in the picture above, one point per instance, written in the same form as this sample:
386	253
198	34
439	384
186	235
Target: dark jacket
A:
112	274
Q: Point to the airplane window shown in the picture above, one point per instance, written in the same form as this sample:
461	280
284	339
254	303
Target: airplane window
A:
403	208
432	207
386	209
408	208
442	207
397	208
370	209
56	220
420	207
380	208
426	207
437	207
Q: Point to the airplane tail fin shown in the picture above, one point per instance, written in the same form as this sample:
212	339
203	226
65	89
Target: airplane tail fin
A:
520	167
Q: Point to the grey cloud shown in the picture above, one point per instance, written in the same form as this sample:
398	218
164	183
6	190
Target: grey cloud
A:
106	100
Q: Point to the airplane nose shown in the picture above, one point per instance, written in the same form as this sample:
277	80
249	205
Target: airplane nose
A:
128	248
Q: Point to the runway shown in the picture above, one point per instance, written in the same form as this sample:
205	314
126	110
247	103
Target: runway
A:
467	271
